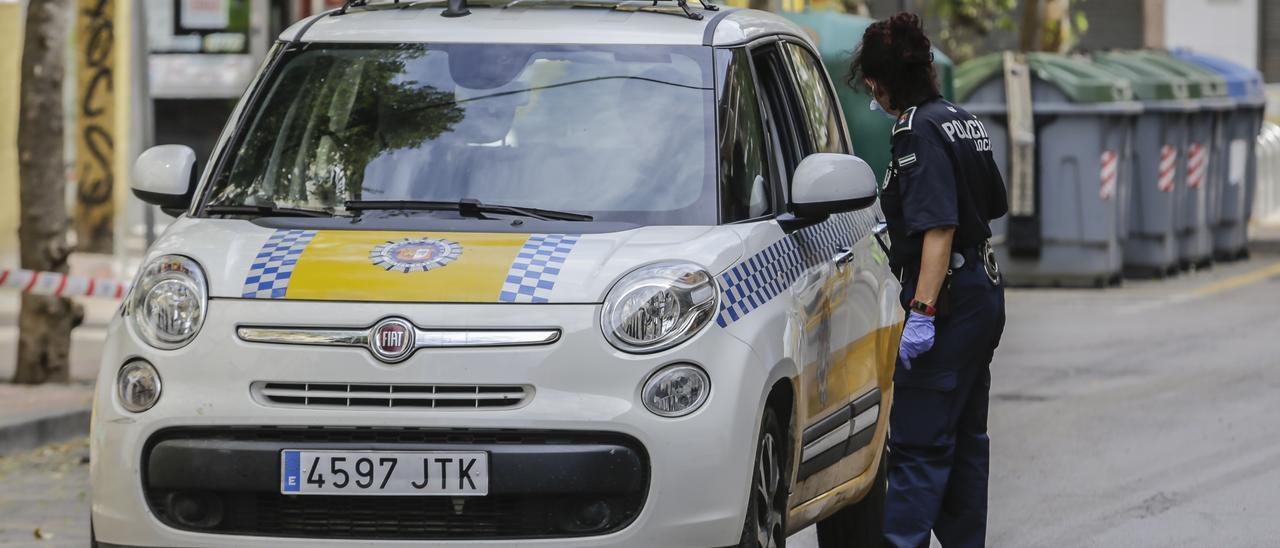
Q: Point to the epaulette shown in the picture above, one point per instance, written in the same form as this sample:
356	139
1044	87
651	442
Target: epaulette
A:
904	121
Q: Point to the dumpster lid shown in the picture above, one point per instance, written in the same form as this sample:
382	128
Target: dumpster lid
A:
1078	79
1201	83
1243	83
1150	82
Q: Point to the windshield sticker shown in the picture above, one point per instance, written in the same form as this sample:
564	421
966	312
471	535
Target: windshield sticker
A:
415	254
272	269
533	273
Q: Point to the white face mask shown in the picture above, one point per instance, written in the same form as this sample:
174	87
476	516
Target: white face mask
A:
875	106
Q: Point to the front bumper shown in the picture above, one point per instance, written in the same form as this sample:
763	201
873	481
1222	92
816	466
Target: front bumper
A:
542	484
694	472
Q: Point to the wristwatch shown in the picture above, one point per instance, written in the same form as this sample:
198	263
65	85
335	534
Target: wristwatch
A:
923	307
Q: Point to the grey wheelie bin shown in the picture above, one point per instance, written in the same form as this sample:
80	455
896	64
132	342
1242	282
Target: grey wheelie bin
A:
1151	247
1241	126
1198	194
1071	230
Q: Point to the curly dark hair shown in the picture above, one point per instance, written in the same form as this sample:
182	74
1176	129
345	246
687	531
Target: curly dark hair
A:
896	54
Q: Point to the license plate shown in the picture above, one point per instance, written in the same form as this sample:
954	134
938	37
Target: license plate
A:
428	473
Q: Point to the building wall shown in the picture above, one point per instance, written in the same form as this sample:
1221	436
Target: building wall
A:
1269	26
11	25
1225	28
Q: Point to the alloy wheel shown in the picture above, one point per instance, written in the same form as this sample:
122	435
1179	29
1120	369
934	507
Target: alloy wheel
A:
768	481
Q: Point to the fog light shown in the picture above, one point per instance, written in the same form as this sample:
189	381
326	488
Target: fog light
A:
195	510
586	517
676	390
138	386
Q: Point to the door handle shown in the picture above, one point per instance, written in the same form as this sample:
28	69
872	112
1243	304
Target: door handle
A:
881	231
843	257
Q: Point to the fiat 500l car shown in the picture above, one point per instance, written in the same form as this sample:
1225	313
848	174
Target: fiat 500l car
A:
536	276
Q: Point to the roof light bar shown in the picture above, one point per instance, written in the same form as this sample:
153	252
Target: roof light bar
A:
456	8
459	8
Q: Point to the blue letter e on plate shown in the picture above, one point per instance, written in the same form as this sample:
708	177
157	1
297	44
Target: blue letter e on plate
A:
292	481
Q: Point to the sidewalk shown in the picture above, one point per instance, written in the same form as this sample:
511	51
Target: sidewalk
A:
31	416
1265	237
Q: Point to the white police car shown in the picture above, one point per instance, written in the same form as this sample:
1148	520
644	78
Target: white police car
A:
548	274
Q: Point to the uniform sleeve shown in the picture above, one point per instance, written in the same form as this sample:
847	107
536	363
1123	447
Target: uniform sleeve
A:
928	184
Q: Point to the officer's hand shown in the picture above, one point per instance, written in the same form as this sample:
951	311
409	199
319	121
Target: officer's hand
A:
917	338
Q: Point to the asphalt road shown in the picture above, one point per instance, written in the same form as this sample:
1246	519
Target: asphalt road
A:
1140	416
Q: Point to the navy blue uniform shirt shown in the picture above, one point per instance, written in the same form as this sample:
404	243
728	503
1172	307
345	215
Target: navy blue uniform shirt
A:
942	174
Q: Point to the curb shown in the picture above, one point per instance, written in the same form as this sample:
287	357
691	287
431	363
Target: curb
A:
42	430
1270	246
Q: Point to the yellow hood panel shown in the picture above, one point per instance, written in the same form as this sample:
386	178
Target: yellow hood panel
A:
407	266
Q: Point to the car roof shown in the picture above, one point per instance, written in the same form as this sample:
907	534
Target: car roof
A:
535	22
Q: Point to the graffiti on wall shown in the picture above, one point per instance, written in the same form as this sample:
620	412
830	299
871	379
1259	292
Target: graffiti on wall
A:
95	132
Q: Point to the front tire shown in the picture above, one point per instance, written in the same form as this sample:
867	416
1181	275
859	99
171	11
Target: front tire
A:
765	525
859	525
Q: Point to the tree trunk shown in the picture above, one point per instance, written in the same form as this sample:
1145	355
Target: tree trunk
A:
1029	33
45	323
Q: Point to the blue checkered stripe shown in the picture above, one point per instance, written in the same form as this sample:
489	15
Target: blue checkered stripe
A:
753	282
533	274
270	272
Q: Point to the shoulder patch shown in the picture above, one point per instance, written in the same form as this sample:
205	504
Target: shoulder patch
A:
904	121
907	160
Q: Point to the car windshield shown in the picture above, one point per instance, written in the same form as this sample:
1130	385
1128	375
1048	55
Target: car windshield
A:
617	133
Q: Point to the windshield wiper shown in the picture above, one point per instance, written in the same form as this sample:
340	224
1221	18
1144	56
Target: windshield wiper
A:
467	208
263	210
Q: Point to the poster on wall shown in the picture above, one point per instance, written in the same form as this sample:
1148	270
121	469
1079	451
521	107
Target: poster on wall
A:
204	14
198	26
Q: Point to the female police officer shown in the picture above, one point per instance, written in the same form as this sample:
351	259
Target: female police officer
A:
942	190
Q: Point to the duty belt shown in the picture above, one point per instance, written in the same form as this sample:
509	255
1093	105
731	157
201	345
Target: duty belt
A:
983	254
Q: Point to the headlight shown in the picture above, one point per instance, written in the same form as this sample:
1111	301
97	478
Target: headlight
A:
167	304
138	386
676	390
659	306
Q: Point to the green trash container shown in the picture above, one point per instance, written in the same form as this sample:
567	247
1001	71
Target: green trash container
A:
1084	122
1242	125
838	36
1200	191
1151	247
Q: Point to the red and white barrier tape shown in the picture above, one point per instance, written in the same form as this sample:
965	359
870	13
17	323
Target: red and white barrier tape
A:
61	285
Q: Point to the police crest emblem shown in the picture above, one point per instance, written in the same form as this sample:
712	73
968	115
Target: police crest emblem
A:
415	254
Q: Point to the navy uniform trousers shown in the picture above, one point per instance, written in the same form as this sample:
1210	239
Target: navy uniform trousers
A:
938	445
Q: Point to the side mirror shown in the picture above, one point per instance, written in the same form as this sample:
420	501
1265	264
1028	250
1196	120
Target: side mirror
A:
165	176
826	183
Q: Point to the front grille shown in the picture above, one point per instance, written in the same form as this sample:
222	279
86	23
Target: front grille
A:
390	396
394	517
261	510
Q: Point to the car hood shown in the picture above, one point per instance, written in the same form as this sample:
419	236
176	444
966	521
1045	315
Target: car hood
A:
245	260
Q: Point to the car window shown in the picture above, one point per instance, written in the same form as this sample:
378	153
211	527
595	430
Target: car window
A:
773	81
622	133
821	116
745	192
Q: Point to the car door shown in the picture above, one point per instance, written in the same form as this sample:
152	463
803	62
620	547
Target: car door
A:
818	294
847	374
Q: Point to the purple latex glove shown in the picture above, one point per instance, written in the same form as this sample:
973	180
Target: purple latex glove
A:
917	337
